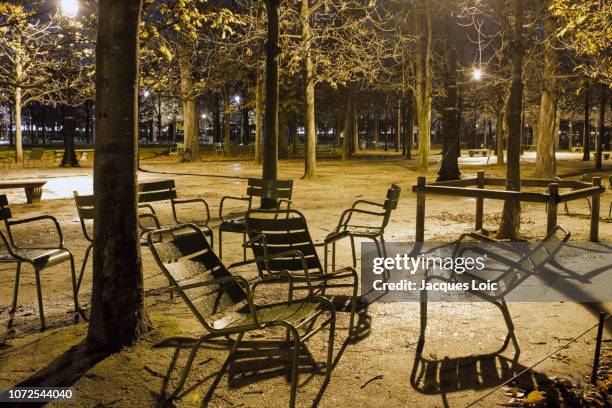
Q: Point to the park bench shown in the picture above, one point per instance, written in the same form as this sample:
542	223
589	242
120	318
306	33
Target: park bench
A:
234	222
483	152
81	154
530	148
217	149
165	191
515	273
575	149
35	155
604	155
177	150
33	188
285	234
37	256
224	303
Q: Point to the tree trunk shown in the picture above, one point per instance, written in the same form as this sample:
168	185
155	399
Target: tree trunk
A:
511	216
244	130
227	129
68	130
546	162
283	136
310	130
118	315
191	139
87	122
601	125
376	131
259	116
386	135
293	132
499	128
349	127
18	133
586	132
423	84
398	125
43	117
217	131
10	128
270	142
449	170
409	125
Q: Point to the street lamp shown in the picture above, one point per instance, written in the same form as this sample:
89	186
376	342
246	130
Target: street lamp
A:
70	8
476	74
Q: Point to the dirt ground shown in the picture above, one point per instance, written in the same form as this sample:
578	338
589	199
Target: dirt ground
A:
372	370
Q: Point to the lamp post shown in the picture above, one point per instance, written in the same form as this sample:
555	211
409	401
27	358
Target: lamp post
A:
69	9
476	76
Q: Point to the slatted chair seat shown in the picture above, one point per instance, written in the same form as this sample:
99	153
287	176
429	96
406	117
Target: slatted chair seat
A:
224	303
279	190
39	258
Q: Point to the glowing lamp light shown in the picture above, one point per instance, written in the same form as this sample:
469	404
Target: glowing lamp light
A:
476	74
146	94
237	99
70	8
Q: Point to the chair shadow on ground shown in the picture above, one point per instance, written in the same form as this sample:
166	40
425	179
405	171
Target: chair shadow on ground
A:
256	360
443	376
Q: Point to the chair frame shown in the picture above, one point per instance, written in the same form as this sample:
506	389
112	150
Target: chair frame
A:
279	190
13	256
319	280
165	190
499	299
213	262
344	225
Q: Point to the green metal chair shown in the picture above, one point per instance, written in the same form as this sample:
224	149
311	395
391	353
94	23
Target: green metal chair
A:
165	191
39	258
224	303
280	190
377	214
508	279
284	234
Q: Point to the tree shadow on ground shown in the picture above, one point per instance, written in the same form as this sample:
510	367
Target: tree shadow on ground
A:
65	370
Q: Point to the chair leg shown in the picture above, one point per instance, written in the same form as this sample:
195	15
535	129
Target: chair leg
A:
244	247
330	345
220	243
294	366
222	370
75	290
353	309
333	262
212	238
353	251
83	266
15	293
508	318
40	300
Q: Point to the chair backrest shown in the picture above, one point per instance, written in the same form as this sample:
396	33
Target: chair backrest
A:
86	211
36	153
391	200
185	257
156	191
272	189
284	230
538	256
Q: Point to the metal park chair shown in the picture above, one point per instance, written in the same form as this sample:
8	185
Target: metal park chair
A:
512	274
39	258
280	190
377	214
165	191
35	155
284	234
224	303
86	210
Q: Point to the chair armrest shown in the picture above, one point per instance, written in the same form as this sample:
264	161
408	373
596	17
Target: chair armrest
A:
345	218
484	238
176	202
284	200
367	202
148	207
247	199
34	219
147	216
